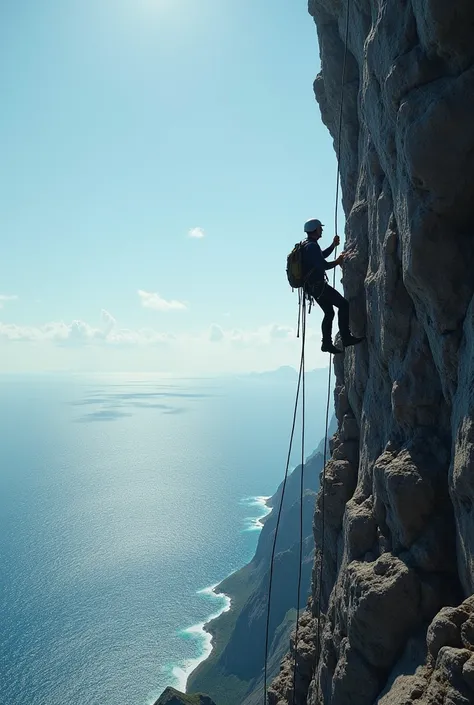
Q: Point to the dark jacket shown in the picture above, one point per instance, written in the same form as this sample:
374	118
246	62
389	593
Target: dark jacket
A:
314	260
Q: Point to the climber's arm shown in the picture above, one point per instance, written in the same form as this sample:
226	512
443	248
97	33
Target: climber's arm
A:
329	250
331	265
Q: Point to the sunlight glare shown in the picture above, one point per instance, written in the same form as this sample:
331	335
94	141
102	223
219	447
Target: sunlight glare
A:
155	6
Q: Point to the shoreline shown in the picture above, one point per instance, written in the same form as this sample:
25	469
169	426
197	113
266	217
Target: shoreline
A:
181	674
255	523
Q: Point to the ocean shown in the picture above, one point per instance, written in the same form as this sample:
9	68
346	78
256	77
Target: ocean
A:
123	500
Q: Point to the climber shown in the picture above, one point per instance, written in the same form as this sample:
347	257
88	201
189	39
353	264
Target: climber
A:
318	288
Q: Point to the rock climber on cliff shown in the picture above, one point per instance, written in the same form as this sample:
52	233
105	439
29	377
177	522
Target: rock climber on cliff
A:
317	286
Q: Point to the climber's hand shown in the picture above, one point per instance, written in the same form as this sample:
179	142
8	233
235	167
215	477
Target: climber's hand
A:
340	259
336	240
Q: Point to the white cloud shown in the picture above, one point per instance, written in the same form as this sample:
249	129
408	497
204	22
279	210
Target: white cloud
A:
216	334
77	345
142	337
157	303
80	333
108	321
10	331
196	233
264	335
59	332
280	332
4	298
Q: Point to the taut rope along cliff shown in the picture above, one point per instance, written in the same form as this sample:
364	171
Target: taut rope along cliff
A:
302	312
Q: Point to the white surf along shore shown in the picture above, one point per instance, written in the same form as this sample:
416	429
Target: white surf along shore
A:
197	631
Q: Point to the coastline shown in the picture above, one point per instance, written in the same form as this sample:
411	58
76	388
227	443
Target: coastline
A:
198	631
255	523
233	672
201	630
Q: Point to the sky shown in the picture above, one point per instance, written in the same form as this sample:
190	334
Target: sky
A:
159	160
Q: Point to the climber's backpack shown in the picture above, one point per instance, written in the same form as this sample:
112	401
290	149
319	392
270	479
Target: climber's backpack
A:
294	266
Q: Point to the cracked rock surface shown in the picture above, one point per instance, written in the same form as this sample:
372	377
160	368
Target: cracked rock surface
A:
392	620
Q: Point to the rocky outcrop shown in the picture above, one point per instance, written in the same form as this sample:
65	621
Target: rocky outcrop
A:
393	609
173	697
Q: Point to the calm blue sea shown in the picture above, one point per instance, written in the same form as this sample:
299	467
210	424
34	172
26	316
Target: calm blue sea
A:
121	502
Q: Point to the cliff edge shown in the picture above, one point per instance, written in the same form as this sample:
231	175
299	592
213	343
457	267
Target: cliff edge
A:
397	612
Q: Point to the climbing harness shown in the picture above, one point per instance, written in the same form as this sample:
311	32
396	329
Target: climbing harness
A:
303	298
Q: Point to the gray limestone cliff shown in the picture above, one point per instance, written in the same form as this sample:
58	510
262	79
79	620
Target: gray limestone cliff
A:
397	611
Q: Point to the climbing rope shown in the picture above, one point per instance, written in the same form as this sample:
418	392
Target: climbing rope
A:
301	316
323	488
301	384
303	405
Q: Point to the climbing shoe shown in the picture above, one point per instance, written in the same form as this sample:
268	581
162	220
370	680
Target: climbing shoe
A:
351	340
330	348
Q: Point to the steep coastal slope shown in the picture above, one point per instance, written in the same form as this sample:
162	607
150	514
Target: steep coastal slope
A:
397	609
232	675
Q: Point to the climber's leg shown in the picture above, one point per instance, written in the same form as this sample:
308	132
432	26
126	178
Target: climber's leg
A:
331	297
326	326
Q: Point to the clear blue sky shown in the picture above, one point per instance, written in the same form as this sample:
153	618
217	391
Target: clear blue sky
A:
128	124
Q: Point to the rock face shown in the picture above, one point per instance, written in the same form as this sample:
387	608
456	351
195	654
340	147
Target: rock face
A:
396	617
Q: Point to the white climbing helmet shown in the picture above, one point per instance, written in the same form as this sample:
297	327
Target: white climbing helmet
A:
312	225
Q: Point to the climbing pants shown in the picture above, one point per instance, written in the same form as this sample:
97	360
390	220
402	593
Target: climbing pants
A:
327	297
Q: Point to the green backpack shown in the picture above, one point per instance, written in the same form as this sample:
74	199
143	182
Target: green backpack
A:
294	266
